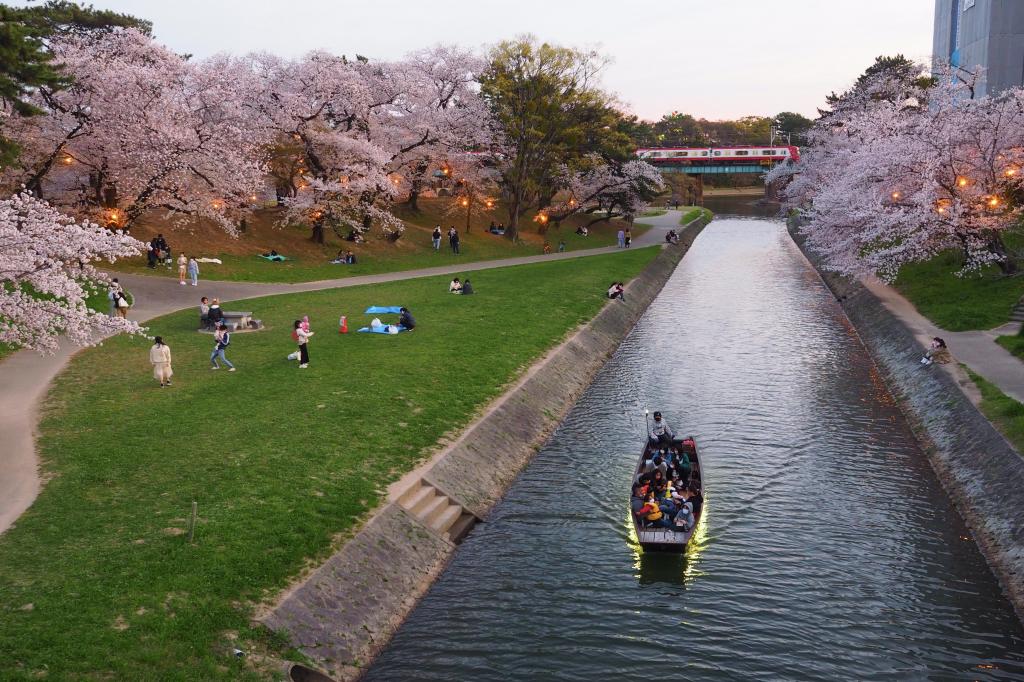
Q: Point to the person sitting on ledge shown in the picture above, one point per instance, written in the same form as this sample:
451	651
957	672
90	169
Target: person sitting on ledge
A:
937	352
616	291
215	315
204	313
455	287
467	288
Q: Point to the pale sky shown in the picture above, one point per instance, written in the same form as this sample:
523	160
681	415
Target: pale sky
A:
711	58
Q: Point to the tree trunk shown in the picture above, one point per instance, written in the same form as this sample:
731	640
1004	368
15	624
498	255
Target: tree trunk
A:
317	236
414	197
1007	264
512	229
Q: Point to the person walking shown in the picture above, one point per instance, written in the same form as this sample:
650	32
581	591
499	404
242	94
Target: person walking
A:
160	358
301	336
622	239
182	268
453	239
435	237
222	339
114	293
118	300
193	271
628	237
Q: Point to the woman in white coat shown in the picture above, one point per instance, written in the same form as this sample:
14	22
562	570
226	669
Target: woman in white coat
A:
160	357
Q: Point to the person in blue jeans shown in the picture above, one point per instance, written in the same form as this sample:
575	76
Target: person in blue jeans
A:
223	339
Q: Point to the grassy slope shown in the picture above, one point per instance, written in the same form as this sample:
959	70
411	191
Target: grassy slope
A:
96	581
1003	411
980	300
309	261
691	213
1013	343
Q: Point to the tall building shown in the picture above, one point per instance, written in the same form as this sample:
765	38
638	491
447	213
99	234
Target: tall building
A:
988	33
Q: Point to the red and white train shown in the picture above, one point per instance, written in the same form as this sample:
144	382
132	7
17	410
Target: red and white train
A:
719	156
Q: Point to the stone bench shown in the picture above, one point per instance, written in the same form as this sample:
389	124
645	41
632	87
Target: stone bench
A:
236	320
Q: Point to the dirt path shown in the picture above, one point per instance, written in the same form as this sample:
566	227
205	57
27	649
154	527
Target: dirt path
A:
25	376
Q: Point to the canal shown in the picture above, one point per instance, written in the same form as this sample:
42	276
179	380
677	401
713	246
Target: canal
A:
828	549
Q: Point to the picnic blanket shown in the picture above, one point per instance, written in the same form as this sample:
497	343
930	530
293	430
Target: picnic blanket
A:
381	330
210	260
277	259
378	309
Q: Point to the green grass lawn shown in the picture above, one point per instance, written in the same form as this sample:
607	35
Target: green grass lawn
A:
692	213
653	212
97	580
981	300
383	258
1012	343
1003	411
309	262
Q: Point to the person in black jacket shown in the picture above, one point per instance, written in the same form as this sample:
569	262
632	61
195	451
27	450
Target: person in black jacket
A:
406	319
216	315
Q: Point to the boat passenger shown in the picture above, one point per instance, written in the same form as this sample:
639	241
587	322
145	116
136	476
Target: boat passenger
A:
651	512
661	433
636	502
696	499
684	519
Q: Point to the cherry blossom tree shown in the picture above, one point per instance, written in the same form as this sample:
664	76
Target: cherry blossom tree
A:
613	190
368	130
145	128
901	179
47	273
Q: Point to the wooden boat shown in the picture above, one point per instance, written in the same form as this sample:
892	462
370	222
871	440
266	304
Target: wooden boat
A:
667	539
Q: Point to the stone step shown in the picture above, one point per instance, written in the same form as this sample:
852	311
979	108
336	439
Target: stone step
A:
443	521
425	503
434	511
413	497
408	497
461	527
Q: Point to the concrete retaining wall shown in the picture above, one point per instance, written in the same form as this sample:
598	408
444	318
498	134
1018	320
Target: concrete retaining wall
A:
982	472
345	612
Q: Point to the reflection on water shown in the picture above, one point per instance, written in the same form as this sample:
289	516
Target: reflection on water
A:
829	551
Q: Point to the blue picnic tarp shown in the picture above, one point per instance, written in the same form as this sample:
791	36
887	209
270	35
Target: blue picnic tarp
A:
378	309
381	330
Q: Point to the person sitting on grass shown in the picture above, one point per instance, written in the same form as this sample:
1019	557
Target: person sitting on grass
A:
350	258
455	287
406	319
467	288
582	231
547	247
616	290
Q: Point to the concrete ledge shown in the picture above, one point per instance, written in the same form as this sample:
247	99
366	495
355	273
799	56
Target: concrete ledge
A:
346	611
982	472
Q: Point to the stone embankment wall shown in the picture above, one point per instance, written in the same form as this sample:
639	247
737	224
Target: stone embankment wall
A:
979	469
345	612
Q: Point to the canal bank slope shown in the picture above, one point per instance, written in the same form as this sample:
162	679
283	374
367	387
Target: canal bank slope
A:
344	612
977	466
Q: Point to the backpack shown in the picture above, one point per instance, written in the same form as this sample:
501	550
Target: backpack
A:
225	340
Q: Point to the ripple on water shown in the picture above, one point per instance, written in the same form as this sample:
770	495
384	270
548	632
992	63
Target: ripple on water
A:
828	550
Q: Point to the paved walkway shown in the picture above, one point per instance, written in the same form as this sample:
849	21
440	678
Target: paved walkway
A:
25	376
977	349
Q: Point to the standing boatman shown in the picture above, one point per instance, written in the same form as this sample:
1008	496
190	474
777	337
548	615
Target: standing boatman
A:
661	433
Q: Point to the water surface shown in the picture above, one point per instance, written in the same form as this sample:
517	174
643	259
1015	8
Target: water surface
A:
828	549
